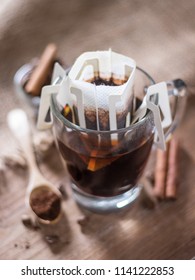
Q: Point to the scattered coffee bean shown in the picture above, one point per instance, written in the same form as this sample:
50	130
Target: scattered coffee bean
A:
27	245
51	239
63	191
27	221
83	221
15	160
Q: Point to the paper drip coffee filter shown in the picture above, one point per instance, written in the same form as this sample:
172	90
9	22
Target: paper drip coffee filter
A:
98	91
107	103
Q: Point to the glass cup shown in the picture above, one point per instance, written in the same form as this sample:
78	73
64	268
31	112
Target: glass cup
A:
105	166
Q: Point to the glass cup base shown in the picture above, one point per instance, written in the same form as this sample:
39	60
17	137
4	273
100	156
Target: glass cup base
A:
105	204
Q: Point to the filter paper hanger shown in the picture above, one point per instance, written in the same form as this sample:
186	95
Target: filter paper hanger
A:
161	91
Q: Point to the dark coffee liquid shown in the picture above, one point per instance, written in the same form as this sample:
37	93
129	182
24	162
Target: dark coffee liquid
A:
108	175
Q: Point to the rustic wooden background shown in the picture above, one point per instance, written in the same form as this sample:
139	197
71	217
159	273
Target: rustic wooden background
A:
160	36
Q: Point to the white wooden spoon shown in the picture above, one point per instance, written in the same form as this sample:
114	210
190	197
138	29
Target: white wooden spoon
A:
40	192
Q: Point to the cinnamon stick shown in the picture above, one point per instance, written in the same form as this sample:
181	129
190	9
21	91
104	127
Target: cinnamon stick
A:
172	173
40	75
160	173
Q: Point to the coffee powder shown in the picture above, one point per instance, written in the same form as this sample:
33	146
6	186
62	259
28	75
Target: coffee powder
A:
46	204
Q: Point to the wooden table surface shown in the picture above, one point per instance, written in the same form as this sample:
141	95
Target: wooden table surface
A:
159	35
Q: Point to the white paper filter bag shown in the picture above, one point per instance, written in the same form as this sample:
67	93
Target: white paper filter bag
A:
105	107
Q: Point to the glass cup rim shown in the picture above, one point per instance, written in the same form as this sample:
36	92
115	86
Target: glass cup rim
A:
75	127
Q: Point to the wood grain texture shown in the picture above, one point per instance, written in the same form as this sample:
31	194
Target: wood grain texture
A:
159	35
